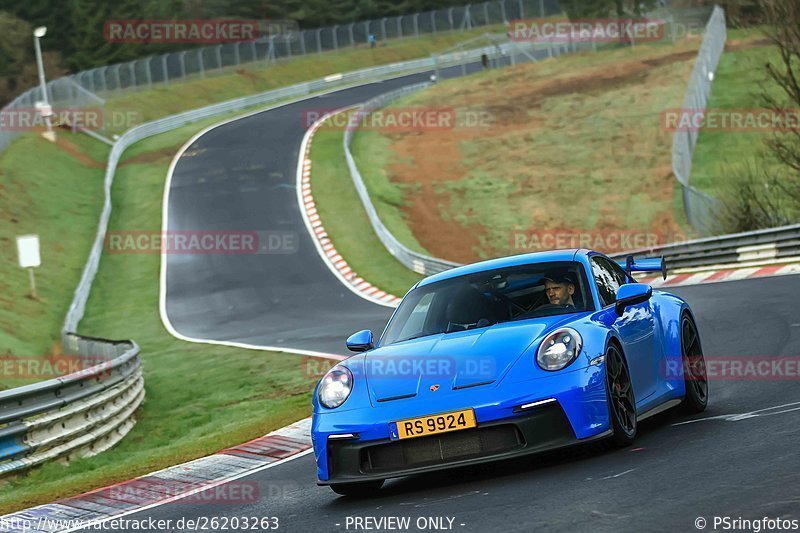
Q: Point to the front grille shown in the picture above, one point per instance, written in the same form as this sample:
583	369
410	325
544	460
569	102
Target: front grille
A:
442	448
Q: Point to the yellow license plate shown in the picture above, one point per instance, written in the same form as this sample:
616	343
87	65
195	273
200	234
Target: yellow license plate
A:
430	425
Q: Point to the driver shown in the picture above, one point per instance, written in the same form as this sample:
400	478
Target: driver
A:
559	288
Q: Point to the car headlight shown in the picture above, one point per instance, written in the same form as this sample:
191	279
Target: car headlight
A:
559	349
335	387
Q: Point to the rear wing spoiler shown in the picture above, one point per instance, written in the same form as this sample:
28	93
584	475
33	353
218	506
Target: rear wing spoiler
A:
631	265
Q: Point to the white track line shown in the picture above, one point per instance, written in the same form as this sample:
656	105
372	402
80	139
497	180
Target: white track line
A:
162	304
171	499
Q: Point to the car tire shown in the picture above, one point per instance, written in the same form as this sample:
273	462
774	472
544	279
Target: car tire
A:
694	368
621	399
364	488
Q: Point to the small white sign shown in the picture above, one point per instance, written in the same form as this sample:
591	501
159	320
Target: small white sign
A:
28	250
46	110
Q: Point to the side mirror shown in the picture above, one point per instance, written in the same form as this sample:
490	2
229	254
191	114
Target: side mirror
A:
632	294
361	341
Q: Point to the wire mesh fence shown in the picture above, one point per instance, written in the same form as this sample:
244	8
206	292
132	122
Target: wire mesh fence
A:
700	208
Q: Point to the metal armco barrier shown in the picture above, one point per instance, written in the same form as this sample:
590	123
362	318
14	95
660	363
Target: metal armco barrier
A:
77	415
768	245
417	262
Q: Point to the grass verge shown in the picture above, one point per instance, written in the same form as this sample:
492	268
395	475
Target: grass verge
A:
739	83
563	146
200	398
345	219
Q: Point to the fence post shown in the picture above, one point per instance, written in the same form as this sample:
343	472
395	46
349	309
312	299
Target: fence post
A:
400	26
116	76
433	21
219	56
335	39
350	31
503	11
541	8
416	24
147	71
182	56
164	67
200	63
302	38
486	13
450	17
319	40
288	45
236	60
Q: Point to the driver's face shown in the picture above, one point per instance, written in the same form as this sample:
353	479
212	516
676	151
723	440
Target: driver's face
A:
559	293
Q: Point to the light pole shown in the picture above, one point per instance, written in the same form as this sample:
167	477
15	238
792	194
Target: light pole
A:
45	109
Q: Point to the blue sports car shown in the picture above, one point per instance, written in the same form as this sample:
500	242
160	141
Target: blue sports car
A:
503	358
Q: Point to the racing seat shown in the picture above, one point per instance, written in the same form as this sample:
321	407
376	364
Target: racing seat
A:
468	309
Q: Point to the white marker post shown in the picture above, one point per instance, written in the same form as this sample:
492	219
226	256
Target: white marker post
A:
28	251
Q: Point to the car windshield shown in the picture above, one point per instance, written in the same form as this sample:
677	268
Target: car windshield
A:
491	297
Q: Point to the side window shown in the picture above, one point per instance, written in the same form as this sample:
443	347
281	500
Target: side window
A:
608	279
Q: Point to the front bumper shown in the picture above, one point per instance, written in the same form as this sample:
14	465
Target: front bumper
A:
579	413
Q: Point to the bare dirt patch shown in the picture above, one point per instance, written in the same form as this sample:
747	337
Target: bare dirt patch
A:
70	147
456	222
152	157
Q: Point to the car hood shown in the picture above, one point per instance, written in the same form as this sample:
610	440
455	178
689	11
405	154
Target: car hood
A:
453	361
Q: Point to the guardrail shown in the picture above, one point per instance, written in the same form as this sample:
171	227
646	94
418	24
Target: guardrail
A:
77	415
772	245
420	263
156	127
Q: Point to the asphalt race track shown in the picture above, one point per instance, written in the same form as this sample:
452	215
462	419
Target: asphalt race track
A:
672	475
242	175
